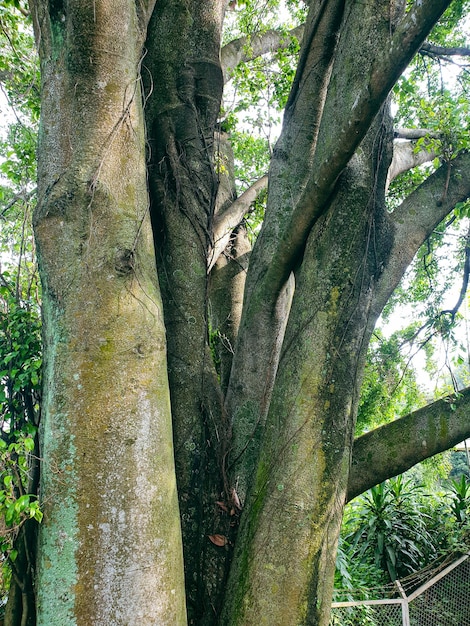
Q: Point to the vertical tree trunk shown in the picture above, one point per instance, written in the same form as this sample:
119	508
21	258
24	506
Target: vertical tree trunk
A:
184	84
110	545
21	606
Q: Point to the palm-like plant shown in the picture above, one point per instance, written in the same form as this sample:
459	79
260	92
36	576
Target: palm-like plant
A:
460	499
389	528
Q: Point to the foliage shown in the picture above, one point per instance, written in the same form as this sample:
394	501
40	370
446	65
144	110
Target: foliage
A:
354	574
20	378
19	69
20	336
19	78
389	388
257	93
433	94
391	532
460	499
459	465
397	528
252	156
428	294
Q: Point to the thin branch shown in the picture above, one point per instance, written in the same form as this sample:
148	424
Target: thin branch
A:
466	274
225	223
418	215
246	48
23	195
249	48
442	51
452	176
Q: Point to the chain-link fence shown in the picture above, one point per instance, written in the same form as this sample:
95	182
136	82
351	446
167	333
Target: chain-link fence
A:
438	596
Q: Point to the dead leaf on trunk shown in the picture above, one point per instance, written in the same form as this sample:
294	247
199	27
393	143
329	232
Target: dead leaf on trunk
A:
222	506
219	540
235	499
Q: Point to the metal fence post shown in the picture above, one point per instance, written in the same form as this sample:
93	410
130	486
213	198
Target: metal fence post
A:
405	611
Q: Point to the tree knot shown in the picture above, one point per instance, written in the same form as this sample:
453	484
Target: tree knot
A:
124	262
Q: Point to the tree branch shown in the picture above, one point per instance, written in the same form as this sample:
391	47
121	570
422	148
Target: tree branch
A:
413	133
431	50
264	314
427	205
406	158
231	218
246	49
333	101
466	273
22	196
397	446
414	220
340	135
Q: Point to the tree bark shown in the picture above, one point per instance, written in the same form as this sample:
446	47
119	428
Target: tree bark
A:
184	85
110	544
245	49
277	431
293	515
340	84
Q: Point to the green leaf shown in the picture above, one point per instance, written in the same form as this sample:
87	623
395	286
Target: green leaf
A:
29	444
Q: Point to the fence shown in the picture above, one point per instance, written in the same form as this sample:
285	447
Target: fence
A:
434	597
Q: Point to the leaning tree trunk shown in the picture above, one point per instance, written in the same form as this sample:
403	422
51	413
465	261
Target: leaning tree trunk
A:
291	523
326	221
110	544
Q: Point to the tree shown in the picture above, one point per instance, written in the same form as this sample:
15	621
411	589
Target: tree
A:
135	181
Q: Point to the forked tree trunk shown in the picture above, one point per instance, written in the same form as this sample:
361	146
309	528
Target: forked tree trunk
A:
291	523
109	545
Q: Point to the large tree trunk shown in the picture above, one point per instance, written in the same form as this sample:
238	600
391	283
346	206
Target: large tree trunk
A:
109	545
349	60
326	220
291	524
184	94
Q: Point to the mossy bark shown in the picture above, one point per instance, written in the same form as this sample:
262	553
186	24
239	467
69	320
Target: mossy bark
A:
290	527
351	55
395	447
110	540
110	544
